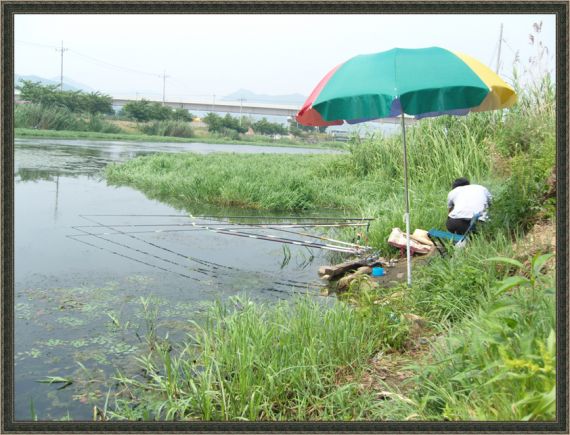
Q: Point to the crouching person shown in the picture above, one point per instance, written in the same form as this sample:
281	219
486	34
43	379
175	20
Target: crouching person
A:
463	202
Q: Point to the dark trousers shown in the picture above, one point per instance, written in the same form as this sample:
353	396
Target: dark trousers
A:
457	226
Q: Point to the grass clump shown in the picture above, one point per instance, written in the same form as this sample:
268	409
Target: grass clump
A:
37	116
133	136
253	362
492	355
255	182
167	128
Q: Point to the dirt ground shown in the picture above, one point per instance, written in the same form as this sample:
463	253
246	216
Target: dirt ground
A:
398	272
540	239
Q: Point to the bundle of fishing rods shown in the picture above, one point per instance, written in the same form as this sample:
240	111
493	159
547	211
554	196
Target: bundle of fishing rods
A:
287	230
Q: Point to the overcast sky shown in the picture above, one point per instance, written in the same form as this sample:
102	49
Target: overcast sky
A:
267	54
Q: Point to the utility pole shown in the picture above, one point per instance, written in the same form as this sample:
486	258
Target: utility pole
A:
499	53
241	100
213	101
61	69
164	76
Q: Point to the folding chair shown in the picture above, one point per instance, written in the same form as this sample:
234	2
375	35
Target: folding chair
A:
440	238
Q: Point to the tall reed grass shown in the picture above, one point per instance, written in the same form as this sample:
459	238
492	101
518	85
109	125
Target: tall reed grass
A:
37	116
167	128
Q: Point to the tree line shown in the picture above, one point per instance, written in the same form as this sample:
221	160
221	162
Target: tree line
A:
229	124
96	103
75	101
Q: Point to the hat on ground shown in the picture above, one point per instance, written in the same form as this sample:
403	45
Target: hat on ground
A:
422	237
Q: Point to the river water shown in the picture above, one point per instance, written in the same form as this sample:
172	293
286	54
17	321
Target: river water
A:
90	257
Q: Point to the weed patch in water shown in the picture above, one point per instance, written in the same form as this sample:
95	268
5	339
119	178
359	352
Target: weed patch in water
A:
70	321
84	333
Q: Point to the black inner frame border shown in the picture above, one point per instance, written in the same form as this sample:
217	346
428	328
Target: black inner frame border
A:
11	7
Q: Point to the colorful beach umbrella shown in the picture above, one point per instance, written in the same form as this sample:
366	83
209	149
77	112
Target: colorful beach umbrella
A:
421	83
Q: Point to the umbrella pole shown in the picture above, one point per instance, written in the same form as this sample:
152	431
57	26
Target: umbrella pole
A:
407	214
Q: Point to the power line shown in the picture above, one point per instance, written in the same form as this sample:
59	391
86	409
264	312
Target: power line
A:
113	65
35	43
493	54
93	59
508	46
116	67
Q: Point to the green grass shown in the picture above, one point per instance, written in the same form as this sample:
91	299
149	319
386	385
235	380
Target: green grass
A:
499	362
263	181
256	362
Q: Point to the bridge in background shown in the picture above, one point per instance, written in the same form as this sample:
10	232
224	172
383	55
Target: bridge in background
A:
224	106
243	108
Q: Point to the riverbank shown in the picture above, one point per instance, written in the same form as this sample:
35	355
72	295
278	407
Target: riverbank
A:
133	137
481	348
472	339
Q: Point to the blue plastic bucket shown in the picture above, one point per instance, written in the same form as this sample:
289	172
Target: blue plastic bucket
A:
378	271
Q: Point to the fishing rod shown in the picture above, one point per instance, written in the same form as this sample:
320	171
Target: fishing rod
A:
287	283
249	226
306	243
217	227
200	270
79	227
317	237
235	217
73	237
250	235
292	283
280	240
285	218
186	257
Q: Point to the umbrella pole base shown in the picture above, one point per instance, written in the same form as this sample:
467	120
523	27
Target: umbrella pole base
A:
408	253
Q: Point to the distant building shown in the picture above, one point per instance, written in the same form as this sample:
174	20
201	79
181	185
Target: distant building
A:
339	135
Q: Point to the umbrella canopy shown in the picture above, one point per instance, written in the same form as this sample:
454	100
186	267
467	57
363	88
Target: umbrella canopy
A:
419	82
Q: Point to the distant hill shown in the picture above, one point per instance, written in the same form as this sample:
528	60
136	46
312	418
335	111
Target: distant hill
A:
252	97
68	84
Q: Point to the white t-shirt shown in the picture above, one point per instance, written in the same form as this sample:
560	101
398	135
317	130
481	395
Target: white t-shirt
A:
469	200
